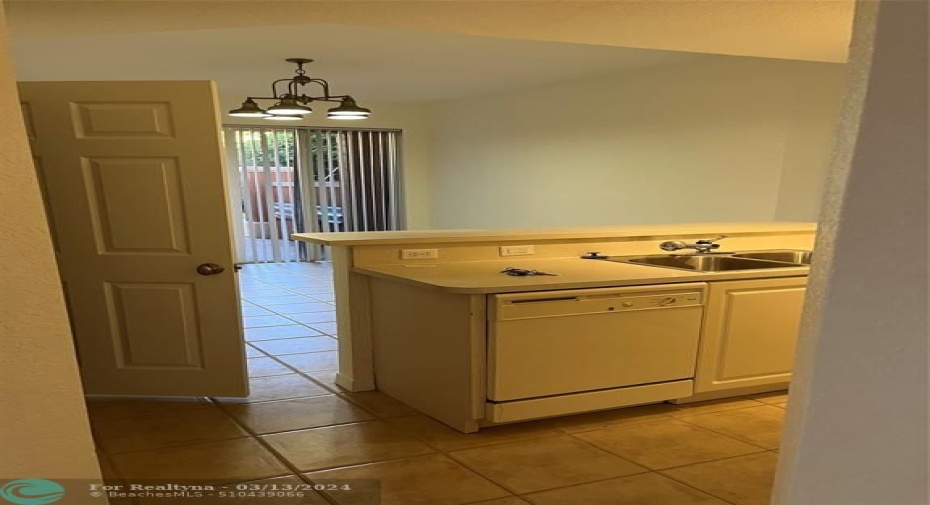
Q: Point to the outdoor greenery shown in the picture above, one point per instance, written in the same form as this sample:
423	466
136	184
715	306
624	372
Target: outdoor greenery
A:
251	148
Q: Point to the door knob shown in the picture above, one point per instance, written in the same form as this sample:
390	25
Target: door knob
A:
209	269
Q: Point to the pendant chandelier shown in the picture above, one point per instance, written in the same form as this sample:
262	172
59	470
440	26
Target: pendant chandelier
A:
291	103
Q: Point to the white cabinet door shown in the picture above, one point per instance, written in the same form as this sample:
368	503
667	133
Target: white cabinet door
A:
749	335
133	179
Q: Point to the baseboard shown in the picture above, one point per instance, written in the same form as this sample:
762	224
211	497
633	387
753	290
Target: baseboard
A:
348	382
729	393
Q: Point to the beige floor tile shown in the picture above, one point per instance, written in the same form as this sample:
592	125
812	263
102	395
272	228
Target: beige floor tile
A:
379	404
773	398
312	361
237	460
758	425
245	494
254	310
261	321
616	417
321	287
693	409
536	465
296	345
511	500
252	352
123	501
329	328
298	414
112	408
295	285
343	445
283	298
279	387
165	429
328	379
250	294
444	438
107	470
314	317
665	444
276	332
266	367
424	480
743	480
642	489
308	305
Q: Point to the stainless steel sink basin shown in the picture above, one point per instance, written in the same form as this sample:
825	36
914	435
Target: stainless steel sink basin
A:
703	263
787	256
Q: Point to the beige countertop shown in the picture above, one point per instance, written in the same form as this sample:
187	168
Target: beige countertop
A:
565	233
477	277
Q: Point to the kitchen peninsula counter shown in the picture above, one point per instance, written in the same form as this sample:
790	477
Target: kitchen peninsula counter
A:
467	263
485	277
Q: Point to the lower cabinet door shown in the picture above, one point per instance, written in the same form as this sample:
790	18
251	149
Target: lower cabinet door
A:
749	334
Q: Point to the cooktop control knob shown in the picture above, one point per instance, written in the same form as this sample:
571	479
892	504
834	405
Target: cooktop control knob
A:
594	256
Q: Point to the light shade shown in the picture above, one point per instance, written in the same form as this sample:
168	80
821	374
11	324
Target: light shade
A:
289	107
348	109
249	109
284	117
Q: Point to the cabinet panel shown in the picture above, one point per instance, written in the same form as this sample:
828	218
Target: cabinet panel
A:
749	333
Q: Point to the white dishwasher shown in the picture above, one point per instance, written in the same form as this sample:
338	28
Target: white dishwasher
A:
559	352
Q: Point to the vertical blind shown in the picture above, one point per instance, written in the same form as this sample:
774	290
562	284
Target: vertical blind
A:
293	180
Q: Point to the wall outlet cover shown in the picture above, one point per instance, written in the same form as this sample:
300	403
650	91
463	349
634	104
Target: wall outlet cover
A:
419	254
517	250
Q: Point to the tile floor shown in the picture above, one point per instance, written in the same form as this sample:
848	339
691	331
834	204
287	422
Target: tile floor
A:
298	426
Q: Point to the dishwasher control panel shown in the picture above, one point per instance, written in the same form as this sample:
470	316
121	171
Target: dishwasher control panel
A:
593	301
658	301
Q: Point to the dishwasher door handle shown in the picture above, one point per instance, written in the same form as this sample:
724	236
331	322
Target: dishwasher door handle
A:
540	300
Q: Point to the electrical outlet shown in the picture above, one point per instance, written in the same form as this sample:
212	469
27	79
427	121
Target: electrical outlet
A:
517	250
419	254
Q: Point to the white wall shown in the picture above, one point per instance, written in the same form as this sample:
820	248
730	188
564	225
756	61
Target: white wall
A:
809	142
411	117
44	432
706	140
857	425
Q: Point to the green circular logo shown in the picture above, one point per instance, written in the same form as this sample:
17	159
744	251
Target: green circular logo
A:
32	491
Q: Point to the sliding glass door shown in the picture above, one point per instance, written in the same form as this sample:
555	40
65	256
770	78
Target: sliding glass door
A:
293	180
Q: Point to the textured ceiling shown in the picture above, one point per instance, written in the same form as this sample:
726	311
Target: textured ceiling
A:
815	30
371	63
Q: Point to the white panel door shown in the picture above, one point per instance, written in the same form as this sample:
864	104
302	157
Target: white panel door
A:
133	180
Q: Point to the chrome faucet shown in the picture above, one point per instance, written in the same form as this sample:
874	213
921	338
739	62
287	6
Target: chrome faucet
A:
702	246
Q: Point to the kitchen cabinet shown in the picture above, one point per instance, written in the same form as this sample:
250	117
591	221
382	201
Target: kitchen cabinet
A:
749	334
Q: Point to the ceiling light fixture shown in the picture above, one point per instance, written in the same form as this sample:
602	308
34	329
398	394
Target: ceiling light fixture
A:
291	104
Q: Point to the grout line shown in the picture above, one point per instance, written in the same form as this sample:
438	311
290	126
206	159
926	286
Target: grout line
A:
679	413
287	338
282	354
524	495
334	388
200	406
175	446
660	470
270	449
295	369
701	490
738	439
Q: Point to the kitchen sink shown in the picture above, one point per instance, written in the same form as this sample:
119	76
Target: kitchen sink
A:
703	263
798	257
